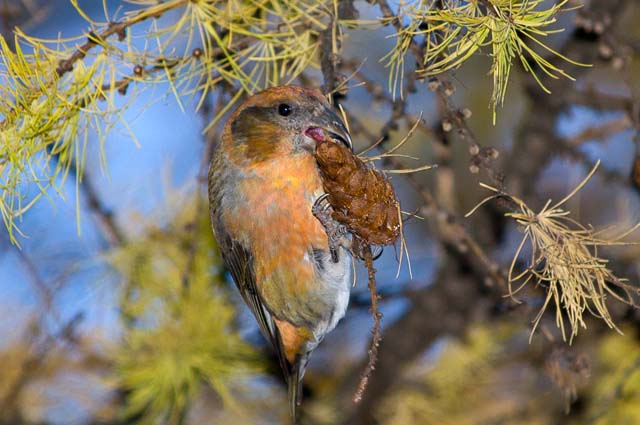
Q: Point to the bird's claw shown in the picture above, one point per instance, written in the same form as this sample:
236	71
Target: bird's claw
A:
336	232
377	253
318	204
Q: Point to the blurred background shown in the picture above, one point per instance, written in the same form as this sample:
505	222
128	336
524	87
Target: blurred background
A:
117	309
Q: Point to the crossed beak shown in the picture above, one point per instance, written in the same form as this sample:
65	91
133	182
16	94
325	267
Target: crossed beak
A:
330	124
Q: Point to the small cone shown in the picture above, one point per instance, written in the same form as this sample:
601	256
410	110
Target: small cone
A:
362	198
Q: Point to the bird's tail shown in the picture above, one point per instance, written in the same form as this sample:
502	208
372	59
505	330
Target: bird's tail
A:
294	384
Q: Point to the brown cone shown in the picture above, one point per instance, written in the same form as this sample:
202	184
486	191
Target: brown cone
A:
362	198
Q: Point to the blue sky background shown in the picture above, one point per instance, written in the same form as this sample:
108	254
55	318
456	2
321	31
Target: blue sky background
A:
169	156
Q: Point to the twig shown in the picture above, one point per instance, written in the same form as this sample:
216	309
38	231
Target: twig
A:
330	44
34	361
481	157
377	335
114	28
40	286
600	132
454	299
598	100
450	229
112	233
192	228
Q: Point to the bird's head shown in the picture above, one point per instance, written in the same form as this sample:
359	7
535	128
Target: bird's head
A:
283	120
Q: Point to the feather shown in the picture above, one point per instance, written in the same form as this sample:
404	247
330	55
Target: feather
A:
294	380
239	260
240	263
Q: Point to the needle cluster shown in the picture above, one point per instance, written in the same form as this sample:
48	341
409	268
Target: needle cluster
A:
563	258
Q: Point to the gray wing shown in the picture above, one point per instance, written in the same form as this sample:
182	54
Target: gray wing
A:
239	261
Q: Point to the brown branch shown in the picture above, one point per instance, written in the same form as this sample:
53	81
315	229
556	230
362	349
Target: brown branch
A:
598	100
93	40
455	118
115	28
600	132
449	227
330	44
201	208
570	147
32	364
376	333
481	157
112	233
536	141
446	307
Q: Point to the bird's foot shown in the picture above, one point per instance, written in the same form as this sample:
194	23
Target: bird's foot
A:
336	232
377	252
358	248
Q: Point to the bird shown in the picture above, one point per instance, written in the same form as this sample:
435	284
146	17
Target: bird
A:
264	189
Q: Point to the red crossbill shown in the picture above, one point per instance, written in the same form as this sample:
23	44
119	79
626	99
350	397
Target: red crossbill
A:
263	183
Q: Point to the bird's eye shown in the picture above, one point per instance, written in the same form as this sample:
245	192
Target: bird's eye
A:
284	109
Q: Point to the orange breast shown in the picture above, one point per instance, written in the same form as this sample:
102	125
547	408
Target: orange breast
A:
277	223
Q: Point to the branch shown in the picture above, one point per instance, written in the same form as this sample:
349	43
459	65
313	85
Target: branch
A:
376	333
448	225
446	307
600	132
116	28
93	40
536	140
455	117
32	365
330	44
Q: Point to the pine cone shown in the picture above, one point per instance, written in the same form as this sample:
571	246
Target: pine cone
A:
362	198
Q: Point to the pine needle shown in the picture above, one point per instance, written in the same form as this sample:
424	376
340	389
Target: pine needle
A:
564	259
